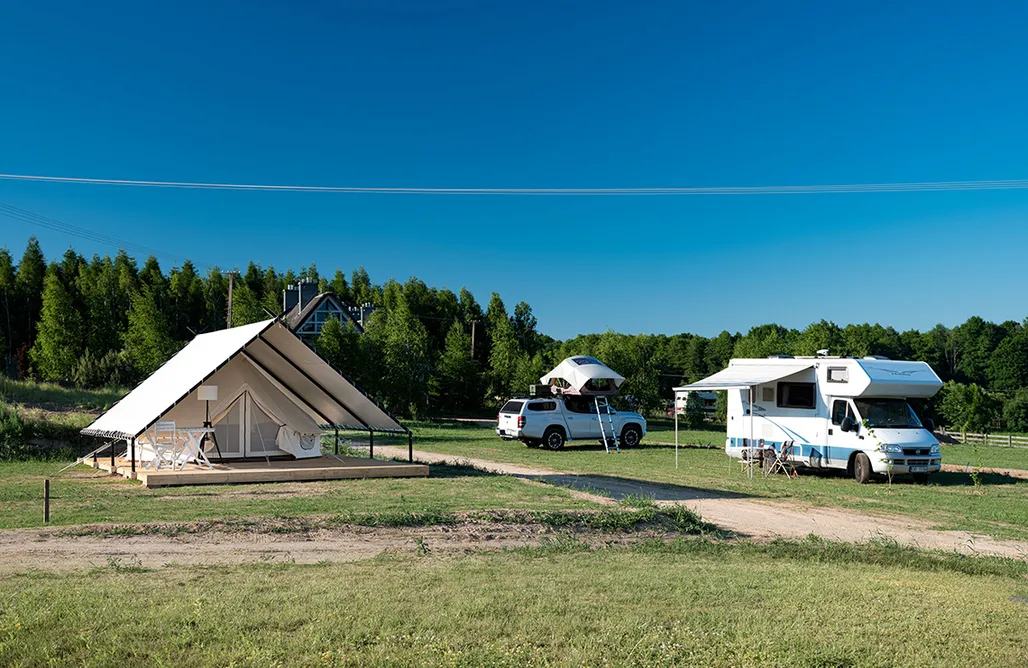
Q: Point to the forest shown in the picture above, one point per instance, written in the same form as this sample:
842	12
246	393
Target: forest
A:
109	322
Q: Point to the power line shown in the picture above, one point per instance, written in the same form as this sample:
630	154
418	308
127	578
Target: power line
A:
32	218
920	186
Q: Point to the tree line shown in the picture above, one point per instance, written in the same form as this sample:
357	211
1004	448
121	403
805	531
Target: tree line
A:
106	321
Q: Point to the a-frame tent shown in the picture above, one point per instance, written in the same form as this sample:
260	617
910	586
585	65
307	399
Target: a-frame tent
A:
276	396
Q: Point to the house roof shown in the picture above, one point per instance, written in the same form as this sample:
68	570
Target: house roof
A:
272	347
296	317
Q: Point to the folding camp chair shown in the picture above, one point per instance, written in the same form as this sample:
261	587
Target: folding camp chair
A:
781	460
164	453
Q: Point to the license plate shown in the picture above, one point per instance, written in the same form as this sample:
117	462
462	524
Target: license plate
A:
919	469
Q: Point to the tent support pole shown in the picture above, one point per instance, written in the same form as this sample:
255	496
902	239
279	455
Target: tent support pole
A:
675	409
337	441
410	446
371	444
133	457
112	457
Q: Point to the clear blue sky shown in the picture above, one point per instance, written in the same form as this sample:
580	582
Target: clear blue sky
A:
463	93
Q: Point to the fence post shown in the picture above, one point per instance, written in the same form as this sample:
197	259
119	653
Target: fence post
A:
1010	440
963	436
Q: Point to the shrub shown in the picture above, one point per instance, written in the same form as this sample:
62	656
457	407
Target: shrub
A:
1015	412
112	370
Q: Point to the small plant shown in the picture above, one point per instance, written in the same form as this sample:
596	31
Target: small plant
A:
423	549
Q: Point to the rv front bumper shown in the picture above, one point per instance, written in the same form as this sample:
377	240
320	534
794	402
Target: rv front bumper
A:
901	465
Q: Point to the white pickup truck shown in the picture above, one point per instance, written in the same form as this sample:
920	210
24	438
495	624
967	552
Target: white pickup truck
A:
552	421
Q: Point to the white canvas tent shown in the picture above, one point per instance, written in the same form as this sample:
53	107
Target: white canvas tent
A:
583	375
276	395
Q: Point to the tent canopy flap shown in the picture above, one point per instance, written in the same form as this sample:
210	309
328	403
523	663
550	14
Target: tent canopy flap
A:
742	376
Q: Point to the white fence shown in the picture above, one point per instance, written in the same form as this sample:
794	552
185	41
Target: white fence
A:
971	438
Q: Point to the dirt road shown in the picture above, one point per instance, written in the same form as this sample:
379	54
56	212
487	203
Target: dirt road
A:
755	518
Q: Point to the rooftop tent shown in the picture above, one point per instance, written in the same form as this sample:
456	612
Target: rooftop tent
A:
583	375
269	381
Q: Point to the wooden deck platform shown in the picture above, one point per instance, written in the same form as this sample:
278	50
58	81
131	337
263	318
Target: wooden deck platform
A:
327	467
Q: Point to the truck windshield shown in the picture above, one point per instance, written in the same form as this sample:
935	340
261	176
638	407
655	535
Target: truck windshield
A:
887	413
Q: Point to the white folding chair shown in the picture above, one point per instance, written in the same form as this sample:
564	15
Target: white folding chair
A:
164	453
782	460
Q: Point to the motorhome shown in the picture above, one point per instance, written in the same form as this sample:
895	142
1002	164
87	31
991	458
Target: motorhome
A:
829	412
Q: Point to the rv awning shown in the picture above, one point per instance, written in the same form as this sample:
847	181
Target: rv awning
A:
288	362
742	376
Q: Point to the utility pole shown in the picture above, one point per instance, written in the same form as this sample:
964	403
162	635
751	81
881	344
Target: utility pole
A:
228	324
473	338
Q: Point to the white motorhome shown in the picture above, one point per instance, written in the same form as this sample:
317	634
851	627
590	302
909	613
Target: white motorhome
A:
835	412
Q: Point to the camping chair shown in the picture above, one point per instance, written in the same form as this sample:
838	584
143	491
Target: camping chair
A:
781	461
164	453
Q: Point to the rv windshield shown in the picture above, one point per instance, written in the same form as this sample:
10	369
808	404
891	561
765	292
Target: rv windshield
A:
887	413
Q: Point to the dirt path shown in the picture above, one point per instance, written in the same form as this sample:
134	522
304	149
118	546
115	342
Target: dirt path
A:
755	518
56	549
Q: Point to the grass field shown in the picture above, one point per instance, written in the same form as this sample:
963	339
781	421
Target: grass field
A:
689	602
998	506
82	496
52	395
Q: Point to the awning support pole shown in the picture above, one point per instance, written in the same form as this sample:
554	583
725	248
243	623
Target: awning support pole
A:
337	441
410	446
371	444
675	409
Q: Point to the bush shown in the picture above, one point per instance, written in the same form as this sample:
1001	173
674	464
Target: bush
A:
968	407
12	433
1015	412
112	370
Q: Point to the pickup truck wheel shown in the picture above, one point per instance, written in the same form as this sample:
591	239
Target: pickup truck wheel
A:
553	439
630	436
861	468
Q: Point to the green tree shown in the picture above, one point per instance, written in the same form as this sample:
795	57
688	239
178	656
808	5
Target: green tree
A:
1008	363
764	340
58	344
340	288
503	360
29	288
1015	411
215	297
361	288
148	341
186	301
455	385
340	344
246	308
968	407
8	304
822	335
407	360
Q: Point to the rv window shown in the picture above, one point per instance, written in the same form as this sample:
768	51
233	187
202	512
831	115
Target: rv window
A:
838	411
838	374
796	395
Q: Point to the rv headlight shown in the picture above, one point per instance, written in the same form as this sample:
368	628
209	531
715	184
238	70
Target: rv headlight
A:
889	447
936	450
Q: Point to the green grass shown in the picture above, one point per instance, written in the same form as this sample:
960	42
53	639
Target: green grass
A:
998	507
81	496
54	396
686	603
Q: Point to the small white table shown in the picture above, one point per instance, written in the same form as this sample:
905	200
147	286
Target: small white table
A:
193	448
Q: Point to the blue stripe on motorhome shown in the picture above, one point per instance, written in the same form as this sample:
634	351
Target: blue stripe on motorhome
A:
837	453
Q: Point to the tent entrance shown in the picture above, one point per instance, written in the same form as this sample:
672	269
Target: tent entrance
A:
246	430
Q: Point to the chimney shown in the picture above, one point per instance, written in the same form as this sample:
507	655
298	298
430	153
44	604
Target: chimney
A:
308	291
290	297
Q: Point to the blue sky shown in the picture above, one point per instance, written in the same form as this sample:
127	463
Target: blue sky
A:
461	93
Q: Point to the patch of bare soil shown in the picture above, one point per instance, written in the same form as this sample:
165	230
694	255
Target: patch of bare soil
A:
58	550
1013	473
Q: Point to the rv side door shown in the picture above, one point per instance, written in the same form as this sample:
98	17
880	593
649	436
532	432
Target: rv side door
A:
841	443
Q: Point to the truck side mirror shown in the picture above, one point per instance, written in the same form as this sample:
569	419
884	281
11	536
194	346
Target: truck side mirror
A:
929	424
848	424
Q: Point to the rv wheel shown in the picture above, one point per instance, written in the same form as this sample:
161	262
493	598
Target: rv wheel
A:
861	468
553	439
